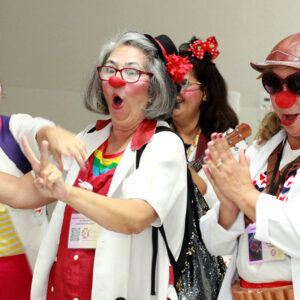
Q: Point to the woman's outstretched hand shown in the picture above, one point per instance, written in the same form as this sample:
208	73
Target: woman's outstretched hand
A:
49	180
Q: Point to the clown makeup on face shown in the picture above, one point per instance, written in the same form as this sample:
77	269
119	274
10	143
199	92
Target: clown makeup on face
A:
126	100
189	99
287	106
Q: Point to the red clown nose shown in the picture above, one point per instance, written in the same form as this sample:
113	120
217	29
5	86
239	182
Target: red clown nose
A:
116	82
285	99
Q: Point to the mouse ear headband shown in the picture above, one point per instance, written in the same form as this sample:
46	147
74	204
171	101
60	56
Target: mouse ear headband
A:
210	45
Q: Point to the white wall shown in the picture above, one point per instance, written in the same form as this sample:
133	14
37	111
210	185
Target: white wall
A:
65	107
48	48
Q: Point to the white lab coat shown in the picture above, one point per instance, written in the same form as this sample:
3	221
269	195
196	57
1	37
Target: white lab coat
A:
122	265
276	222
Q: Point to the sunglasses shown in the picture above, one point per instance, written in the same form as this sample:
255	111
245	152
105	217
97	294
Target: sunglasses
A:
273	84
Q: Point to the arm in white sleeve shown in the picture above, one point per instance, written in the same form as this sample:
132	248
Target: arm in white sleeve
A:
278	223
25	125
218	240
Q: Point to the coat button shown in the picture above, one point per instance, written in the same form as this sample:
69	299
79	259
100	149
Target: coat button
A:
76	257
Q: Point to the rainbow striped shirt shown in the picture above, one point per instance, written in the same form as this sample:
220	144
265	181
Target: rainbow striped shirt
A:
103	163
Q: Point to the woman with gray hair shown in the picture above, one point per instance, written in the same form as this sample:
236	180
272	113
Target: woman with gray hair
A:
103	223
161	90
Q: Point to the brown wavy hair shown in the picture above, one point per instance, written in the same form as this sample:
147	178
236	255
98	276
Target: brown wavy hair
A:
268	127
216	115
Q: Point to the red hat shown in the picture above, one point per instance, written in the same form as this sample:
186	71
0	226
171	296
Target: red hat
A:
285	53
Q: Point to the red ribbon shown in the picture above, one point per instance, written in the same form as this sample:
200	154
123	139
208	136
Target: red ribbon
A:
177	66
250	285
171	276
210	45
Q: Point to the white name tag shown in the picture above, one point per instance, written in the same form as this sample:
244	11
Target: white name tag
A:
83	233
259	252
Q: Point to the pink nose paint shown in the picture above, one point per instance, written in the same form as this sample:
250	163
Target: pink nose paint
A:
285	99
116	82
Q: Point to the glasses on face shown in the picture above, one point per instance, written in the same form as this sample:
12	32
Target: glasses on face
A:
128	74
273	84
186	85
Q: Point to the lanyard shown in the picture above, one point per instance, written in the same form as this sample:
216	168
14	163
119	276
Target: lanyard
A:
275	185
194	144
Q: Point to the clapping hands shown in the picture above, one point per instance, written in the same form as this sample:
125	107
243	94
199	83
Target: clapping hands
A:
230	178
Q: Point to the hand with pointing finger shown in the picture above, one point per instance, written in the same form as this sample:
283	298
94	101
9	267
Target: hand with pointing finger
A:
49	180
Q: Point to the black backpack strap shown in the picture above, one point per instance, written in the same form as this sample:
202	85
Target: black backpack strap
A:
138	155
180	263
154	255
141	150
92	129
154	229
188	223
171	257
154	258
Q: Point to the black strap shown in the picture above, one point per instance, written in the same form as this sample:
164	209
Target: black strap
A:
179	264
154	229
141	150
154	258
171	257
138	156
154	255
188	223
92	129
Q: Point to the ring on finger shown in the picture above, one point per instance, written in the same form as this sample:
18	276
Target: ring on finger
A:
219	164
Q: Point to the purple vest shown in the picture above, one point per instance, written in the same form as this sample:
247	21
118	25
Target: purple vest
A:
11	148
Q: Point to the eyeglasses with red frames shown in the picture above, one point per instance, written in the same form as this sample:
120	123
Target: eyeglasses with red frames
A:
128	74
273	84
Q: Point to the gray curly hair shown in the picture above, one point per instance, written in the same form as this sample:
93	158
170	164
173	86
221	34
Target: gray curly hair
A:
162	90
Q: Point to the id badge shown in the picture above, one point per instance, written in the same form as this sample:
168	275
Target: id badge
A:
259	252
83	233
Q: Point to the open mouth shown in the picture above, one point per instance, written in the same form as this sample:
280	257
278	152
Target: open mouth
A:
177	103
288	119
117	101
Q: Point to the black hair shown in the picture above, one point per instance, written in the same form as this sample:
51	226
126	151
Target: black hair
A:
216	115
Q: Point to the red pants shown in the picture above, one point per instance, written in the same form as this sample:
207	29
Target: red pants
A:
15	278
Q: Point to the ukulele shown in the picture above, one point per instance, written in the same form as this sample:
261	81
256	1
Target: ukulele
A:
238	134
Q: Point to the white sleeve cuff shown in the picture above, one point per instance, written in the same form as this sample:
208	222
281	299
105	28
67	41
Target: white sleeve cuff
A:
25	125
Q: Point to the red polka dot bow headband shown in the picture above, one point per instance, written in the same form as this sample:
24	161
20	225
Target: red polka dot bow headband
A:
199	47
